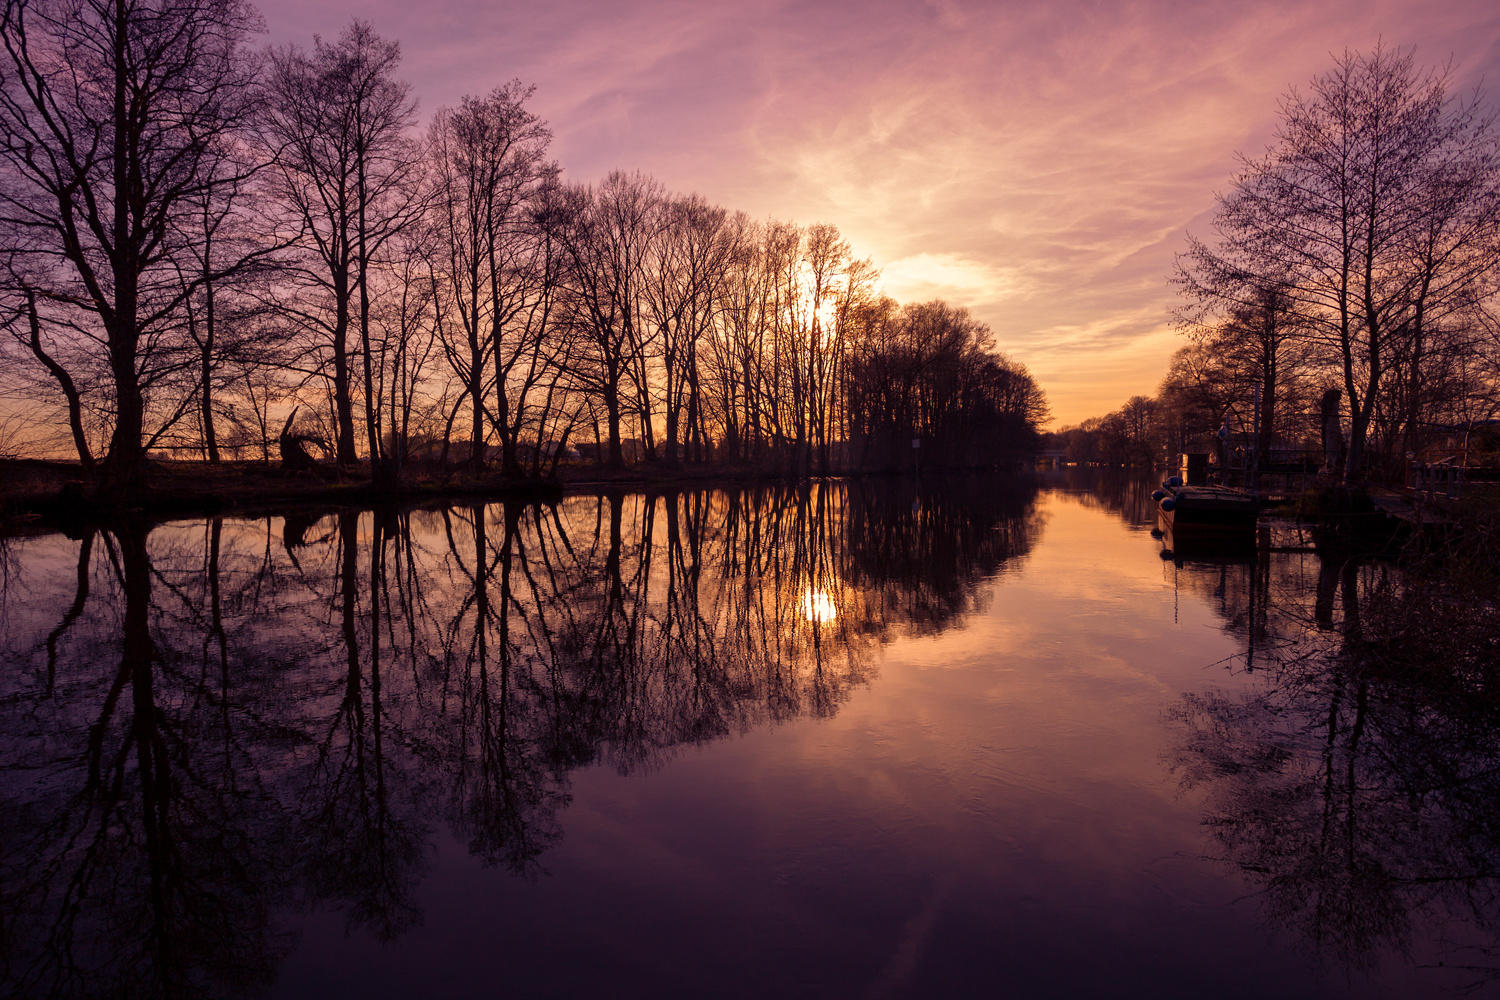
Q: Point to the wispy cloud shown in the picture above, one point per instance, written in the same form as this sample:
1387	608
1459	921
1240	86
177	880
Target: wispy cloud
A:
959	279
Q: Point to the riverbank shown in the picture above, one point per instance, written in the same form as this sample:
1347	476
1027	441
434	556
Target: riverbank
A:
39	490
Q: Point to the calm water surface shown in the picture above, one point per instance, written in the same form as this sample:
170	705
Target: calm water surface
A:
978	739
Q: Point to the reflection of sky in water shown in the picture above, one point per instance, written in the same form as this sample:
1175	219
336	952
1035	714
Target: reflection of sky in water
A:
981	808
990	817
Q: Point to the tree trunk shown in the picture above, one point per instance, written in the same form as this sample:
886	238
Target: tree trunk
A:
124	465
612	407
205	387
70	390
342	400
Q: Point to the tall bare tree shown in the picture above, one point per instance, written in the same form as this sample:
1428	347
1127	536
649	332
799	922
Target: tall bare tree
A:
114	120
606	234
688	264
488	157
1375	213
340	122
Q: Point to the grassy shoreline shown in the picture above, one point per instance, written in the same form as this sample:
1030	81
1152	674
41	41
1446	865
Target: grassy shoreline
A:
39	490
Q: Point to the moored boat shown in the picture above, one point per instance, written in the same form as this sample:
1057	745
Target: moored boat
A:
1205	508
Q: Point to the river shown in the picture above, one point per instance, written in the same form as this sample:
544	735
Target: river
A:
978	738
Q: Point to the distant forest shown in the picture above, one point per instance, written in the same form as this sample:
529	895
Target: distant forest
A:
211	252
1350	280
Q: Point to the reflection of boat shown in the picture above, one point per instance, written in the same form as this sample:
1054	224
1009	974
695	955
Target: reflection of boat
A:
1186	509
1209	547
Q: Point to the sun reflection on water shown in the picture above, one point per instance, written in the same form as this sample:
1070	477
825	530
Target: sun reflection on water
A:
818	606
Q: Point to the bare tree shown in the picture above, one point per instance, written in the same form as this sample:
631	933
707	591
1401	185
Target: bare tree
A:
340	122
25	326
488	157
1375	213
1261	344
408	319
224	252
688	263
114	116
605	234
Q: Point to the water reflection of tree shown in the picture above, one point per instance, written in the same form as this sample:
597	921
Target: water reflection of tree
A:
226	718
1357	784
1122	491
505	791
138	861
362	845
921	548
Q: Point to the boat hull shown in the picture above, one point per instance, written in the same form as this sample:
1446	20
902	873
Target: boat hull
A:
1208	509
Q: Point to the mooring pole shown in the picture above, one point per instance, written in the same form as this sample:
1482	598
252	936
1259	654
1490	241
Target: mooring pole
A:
1255	444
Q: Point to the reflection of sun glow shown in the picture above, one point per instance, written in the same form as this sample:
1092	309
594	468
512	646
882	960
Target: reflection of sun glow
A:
817	606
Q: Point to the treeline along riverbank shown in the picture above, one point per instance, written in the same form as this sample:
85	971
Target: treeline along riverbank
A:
264	257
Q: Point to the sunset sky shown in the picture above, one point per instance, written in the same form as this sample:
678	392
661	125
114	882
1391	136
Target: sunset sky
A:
1036	162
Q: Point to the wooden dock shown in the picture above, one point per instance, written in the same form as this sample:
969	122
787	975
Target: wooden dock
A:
1417	510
